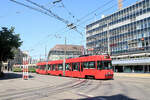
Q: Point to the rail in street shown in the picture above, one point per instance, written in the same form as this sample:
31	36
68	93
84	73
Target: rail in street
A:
46	87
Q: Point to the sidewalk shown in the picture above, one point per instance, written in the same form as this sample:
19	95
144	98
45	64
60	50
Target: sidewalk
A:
140	75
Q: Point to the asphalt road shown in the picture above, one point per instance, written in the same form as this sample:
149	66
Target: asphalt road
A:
46	87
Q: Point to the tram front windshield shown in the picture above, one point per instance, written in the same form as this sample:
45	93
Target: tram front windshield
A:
104	65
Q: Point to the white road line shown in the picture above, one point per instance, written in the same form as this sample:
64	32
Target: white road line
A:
85	94
81	93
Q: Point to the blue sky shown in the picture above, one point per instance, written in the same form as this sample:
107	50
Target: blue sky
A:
39	31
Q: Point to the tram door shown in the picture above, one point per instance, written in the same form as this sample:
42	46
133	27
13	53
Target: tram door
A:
68	71
76	69
81	67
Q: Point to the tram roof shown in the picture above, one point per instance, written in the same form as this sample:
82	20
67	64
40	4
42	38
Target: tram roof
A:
41	63
82	59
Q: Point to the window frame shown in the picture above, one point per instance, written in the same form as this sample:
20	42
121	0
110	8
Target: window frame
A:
76	66
85	65
60	68
69	68
102	65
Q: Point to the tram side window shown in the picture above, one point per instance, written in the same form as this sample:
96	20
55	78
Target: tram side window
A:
104	65
49	67
99	65
68	67
91	64
79	66
85	64
37	67
42	67
107	65
53	67
75	66
60	67
56	67
82	66
88	65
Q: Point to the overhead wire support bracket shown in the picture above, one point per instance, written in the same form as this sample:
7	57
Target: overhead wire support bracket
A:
57	1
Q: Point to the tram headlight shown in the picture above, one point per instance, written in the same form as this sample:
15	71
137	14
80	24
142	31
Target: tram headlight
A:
108	74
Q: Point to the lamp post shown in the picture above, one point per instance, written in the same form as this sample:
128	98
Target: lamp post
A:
108	36
64	59
94	50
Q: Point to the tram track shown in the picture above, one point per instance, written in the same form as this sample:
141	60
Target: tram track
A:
50	90
56	91
37	88
98	85
84	86
60	90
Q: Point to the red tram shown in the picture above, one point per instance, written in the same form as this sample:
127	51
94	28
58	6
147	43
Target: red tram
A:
96	66
41	68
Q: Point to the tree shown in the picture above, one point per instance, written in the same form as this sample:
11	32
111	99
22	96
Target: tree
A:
9	41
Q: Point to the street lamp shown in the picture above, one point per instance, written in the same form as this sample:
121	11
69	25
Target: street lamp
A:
108	36
64	59
94	50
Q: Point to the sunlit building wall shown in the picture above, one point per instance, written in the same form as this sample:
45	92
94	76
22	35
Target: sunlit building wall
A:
65	51
128	31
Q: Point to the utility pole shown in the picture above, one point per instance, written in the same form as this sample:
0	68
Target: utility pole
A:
95	15
64	60
108	36
40	57
94	46
45	52
46	58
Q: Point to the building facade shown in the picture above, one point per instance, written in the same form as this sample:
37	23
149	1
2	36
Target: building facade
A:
23	58
67	51
17	61
128	32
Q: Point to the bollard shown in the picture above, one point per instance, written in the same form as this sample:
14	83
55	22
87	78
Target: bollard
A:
25	72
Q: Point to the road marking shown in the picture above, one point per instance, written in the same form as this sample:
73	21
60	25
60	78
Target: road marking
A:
78	82
90	96
87	95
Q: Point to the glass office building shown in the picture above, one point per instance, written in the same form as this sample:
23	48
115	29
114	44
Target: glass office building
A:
128	33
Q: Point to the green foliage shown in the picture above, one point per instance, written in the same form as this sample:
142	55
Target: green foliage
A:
32	70
8	43
17	69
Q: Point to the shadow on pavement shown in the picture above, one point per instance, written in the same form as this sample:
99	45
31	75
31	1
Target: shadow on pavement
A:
12	75
113	97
